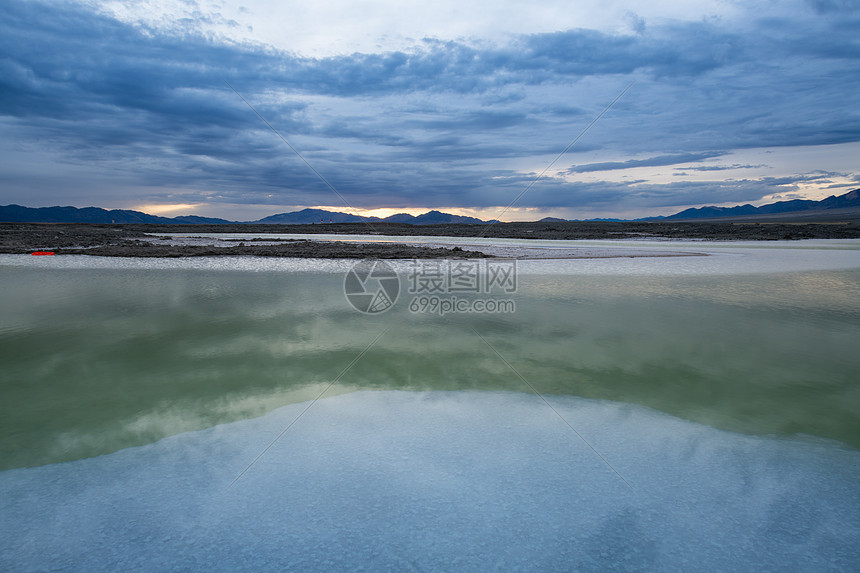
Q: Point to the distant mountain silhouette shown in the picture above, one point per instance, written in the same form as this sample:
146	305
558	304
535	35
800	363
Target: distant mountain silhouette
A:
19	214
848	200
311	216
400	218
437	217
195	220
797	207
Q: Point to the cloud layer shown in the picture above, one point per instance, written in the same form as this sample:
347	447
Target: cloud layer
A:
147	114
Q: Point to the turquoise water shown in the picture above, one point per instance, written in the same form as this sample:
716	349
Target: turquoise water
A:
694	416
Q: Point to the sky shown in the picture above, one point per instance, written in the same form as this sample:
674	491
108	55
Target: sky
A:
514	110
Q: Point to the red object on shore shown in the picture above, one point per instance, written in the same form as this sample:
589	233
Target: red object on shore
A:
42	253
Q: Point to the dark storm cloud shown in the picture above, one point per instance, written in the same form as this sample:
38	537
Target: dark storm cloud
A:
607	195
436	125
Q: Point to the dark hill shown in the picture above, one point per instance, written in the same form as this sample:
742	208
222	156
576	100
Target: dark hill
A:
850	200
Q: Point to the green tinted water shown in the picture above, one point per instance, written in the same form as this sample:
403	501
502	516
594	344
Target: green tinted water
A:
97	360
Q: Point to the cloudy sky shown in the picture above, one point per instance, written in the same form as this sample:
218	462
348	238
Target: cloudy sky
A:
442	104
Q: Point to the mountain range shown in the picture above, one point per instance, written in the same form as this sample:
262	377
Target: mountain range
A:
798	208
847	205
309	216
846	201
19	214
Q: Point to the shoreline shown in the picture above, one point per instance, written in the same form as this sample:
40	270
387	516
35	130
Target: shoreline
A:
123	241
139	241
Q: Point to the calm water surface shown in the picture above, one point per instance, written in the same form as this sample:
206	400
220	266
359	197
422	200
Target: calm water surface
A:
97	360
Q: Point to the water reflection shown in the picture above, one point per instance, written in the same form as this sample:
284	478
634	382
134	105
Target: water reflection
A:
100	359
447	481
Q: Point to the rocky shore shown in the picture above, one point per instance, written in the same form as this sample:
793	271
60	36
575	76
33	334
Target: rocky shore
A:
128	241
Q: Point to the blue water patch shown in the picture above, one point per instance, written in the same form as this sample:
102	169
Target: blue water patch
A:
466	481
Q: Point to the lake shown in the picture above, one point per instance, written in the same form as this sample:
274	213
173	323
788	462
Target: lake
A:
684	412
